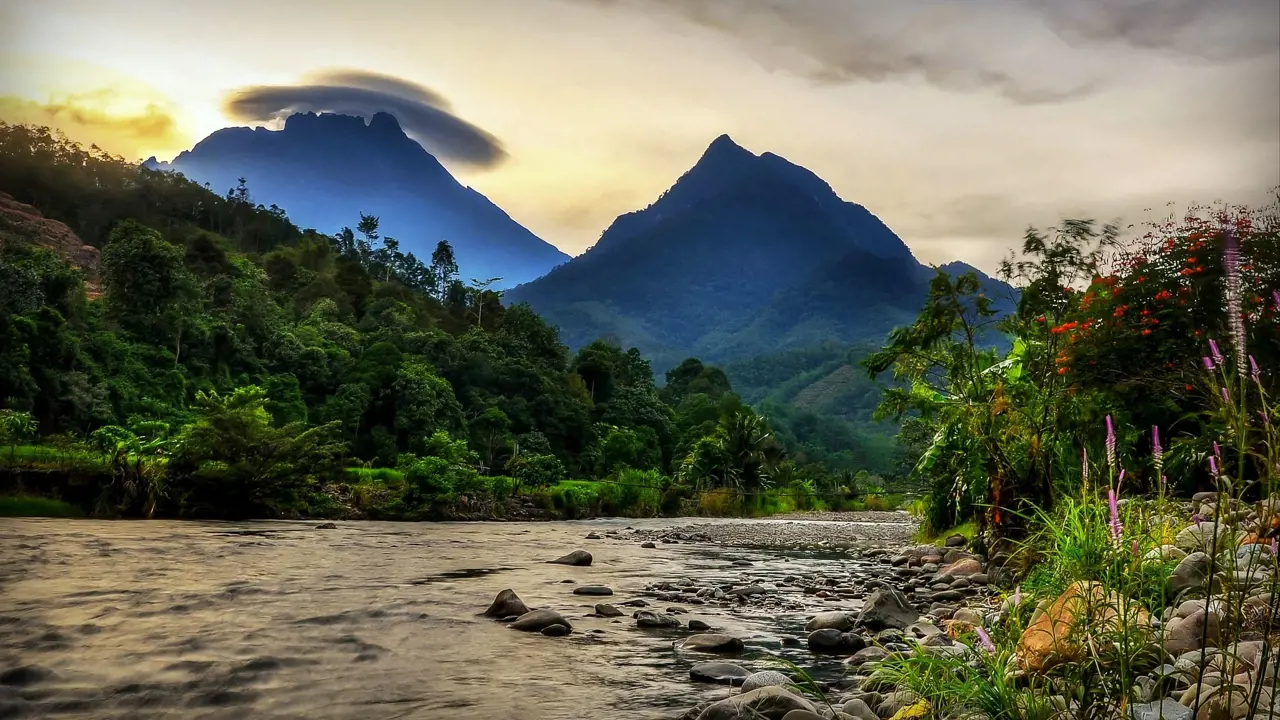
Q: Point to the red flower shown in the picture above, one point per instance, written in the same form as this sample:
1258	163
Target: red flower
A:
1147	331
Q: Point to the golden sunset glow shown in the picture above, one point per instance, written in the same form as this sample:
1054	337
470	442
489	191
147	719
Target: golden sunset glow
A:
601	105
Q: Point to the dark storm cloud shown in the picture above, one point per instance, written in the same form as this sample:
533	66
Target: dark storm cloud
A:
1023	50
422	113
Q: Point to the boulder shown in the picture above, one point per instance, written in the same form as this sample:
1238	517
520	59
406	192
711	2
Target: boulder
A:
1205	537
956	540
711	643
598	590
767	678
1166	709
1061	630
1164	553
648	619
648	545
833	620
867	655
720	673
770	703
859	709
965	567
506	604
698	625
1192	572
580	558
536	620
556	630
1184	635
887	608
609	611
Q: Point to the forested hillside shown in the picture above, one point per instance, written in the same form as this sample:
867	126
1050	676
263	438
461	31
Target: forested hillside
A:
233	363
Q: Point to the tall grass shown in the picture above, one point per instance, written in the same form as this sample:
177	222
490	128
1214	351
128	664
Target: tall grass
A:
29	506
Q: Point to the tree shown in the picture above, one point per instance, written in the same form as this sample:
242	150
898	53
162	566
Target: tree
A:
424	404
444	270
148	289
231	461
491	432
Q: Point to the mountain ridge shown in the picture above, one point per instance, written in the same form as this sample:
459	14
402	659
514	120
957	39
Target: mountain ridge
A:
325	169
744	254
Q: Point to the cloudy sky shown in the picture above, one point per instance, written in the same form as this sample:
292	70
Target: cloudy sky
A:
958	122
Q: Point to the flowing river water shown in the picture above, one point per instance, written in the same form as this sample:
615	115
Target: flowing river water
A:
168	619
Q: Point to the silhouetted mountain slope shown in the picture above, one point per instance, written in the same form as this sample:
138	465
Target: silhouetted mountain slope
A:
745	254
326	169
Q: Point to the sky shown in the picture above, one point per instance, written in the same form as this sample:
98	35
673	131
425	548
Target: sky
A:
958	122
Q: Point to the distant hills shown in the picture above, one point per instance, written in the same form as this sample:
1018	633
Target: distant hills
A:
325	169
745	255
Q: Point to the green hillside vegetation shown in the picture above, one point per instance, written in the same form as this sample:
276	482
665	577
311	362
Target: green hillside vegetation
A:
237	365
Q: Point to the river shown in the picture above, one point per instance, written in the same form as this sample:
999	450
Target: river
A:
172	619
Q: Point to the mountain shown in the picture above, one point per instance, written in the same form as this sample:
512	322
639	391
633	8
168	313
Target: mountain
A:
745	254
326	169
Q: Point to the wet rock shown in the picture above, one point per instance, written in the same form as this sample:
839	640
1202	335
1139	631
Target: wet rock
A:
647	619
748	591
25	675
711	643
867	655
956	540
537	620
698	625
507	603
597	590
609	611
742	563
593	536
833	620
887	608
648	545
327	526
580	558
720	673
771	703
556	630
967	615
768	678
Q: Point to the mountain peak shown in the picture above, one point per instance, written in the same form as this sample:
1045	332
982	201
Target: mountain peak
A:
725	147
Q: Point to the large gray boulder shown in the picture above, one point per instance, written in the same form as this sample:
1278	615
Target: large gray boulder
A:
648	619
767	678
887	608
506	604
767	703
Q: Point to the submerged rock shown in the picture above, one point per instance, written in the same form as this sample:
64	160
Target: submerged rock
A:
592	590
581	558
720	673
507	603
556	630
609	611
711	643
648	619
537	620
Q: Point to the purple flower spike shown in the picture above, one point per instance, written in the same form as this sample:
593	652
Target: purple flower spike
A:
985	640
1208	363
1116	528
1216	353
1231	293
1017	595
1197	519
1213	466
1120	480
1134	549
1255	373
1157	452
1111	444
1275	547
1226	396
1217	449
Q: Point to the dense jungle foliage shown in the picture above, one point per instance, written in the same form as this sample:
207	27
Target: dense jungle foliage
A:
224	362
